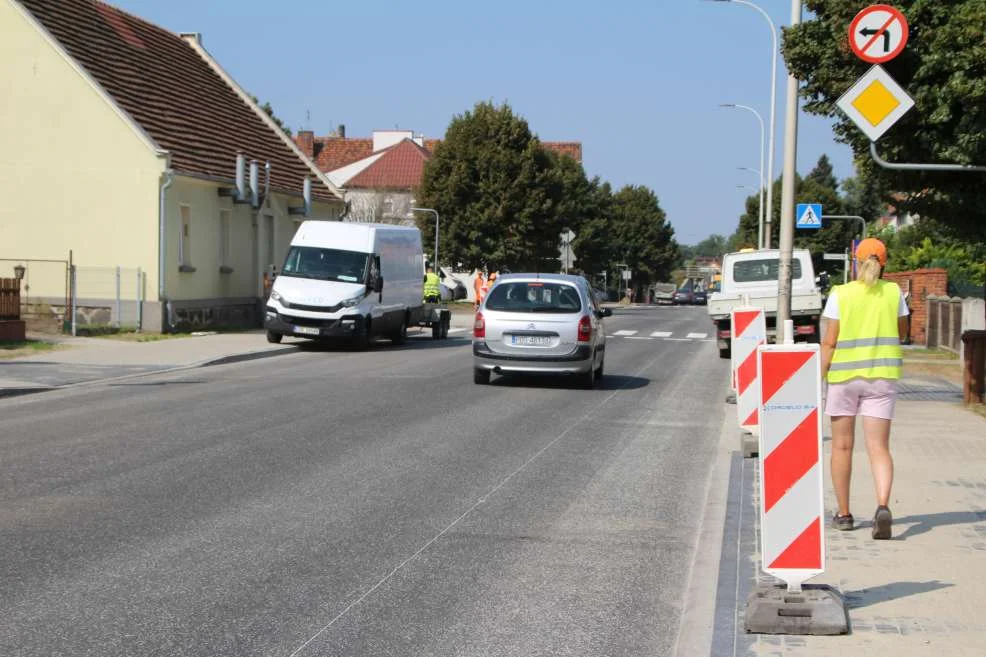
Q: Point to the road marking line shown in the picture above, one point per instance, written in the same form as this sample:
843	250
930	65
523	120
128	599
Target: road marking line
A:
661	334
678	339
579	422
625	333
697	336
638	337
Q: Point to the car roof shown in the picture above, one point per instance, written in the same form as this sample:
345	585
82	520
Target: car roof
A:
556	278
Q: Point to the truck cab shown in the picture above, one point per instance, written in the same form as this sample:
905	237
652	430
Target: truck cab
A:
750	278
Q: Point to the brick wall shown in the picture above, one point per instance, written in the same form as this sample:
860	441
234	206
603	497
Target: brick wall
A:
920	283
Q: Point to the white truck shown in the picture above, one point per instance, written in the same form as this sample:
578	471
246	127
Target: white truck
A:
348	280
750	277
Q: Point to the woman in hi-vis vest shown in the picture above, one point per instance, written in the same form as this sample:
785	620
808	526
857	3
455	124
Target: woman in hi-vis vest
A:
861	360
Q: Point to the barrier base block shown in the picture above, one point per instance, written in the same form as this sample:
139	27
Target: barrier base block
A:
749	444
815	610
731	397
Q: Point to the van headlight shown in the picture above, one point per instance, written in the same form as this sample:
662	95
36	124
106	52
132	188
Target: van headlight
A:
349	303
275	295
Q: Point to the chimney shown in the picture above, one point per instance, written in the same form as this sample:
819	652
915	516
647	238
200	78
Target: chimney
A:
254	184
342	131
240	177
306	142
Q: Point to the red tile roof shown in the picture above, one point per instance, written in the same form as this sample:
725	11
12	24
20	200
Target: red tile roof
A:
331	153
172	92
400	167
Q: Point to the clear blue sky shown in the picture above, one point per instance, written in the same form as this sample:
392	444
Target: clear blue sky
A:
638	82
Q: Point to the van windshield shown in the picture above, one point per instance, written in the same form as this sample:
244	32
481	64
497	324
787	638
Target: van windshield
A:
326	264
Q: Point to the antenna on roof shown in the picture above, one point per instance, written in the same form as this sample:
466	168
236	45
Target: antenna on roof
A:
308	119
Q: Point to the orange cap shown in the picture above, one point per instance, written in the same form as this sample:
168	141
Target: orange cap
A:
871	248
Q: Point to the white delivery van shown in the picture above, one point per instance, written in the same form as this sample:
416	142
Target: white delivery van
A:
348	280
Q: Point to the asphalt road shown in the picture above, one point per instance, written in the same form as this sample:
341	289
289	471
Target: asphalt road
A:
377	503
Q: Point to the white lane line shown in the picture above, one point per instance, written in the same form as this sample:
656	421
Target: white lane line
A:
661	334
482	500
677	339
625	333
638	337
697	336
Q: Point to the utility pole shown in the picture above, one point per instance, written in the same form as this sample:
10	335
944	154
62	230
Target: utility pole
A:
787	194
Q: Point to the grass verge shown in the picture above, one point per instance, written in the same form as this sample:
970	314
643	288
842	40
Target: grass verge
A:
26	348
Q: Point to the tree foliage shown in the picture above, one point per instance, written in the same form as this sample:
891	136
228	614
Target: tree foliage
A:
499	193
644	239
943	68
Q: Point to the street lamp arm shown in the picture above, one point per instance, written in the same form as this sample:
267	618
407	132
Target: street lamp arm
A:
434	212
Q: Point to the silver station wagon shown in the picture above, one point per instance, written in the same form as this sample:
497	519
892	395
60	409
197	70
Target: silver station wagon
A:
540	324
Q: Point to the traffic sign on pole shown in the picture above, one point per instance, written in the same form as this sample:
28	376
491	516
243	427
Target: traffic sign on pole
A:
878	34
791	480
875	102
809	215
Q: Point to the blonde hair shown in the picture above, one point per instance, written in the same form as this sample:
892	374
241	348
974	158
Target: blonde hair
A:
868	271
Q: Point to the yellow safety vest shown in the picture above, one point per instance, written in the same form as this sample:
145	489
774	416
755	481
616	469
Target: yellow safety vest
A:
869	342
431	286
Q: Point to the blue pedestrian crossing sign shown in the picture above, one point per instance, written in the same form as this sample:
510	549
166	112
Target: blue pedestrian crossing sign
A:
809	216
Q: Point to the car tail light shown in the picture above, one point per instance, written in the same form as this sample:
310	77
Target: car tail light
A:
807	329
725	333
479	327
585	329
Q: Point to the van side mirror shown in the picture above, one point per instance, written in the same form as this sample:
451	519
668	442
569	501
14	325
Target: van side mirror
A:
378	284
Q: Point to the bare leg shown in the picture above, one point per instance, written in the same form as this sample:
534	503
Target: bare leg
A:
877	434
843	436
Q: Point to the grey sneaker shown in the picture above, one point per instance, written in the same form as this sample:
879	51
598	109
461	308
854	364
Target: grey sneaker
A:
843	523
882	522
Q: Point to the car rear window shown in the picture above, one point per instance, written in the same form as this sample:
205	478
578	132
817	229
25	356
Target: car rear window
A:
534	297
756	271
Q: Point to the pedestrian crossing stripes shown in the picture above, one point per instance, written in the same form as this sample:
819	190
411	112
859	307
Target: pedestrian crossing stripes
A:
630	334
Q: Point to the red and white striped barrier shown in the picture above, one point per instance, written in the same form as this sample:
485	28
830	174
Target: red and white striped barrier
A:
791	475
749	331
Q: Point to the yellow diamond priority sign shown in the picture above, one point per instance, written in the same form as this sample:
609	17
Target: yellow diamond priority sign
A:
875	102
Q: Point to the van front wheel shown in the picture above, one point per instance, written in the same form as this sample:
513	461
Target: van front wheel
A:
400	336
274	338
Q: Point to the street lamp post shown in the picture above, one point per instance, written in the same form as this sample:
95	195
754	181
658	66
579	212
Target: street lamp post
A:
434	212
773	102
760	223
760	231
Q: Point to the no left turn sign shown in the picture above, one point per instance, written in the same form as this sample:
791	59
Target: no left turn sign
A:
878	34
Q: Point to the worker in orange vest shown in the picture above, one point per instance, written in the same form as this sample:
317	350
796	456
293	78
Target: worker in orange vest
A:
490	280
479	286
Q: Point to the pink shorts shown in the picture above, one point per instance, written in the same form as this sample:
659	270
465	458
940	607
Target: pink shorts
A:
869	397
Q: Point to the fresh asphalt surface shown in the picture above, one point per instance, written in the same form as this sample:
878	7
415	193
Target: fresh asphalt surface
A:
377	503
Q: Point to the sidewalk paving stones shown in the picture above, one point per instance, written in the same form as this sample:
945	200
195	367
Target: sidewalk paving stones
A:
917	594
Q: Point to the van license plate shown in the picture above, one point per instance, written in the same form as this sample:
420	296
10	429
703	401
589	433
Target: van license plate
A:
532	340
306	330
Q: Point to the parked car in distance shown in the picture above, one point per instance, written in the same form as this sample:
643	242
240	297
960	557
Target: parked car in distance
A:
540	324
700	298
663	293
683	297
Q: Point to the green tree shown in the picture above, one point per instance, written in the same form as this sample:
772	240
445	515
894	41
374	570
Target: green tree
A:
645	239
594	244
497	190
943	68
714	246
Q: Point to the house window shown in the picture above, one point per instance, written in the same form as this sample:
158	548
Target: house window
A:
185	239
225	217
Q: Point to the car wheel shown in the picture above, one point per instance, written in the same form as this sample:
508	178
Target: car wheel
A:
480	376
274	338
725	352
599	370
587	380
400	337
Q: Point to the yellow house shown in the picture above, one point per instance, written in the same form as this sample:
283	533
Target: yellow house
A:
128	146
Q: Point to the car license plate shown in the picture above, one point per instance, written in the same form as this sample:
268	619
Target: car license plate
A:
306	330
531	340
